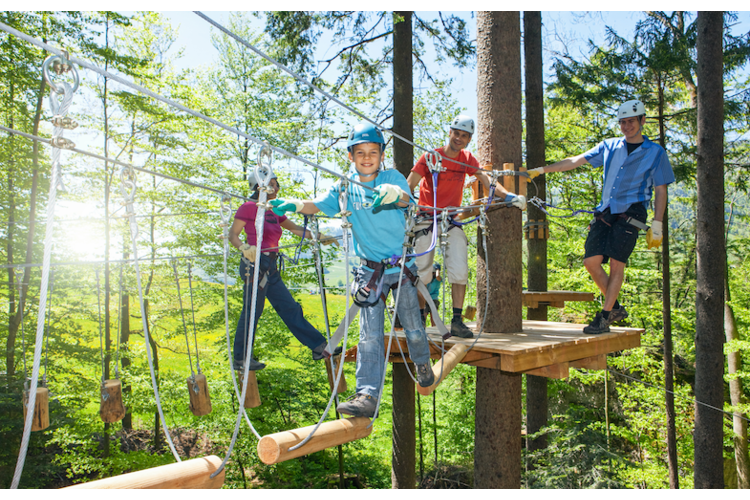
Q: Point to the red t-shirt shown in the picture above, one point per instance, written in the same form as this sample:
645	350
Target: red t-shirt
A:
271	229
450	182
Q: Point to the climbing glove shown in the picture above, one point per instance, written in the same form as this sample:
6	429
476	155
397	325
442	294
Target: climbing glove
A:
385	194
535	172
280	207
327	239
248	251
654	235
518	201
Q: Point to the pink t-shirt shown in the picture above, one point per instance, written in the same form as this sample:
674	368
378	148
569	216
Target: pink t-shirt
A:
271	229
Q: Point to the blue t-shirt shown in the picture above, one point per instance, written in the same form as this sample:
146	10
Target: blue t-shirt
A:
629	178
378	234
434	288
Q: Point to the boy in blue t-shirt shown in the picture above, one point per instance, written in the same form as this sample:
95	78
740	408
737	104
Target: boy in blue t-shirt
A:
378	227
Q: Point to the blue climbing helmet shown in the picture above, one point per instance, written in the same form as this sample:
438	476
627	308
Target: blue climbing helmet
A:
363	133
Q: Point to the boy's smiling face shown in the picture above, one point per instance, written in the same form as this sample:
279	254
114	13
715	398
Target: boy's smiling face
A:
367	158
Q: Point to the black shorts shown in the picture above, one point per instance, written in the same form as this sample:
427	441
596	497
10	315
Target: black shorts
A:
612	237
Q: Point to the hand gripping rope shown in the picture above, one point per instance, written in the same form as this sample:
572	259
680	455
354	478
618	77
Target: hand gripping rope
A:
226	212
345	226
59	110
264	173
128	187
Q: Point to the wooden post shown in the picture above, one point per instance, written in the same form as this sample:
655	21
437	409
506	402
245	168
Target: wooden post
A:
442	368
274	448
41	409
497	447
200	399
189	474
403	455
252	396
332	375
111	409
470	312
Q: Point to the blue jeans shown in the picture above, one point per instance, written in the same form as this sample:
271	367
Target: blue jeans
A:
282	301
371	348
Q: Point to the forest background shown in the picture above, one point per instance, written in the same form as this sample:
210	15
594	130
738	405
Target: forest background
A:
596	439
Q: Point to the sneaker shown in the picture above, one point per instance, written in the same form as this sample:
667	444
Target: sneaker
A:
425	377
256	365
459	329
359	405
617	314
320	352
599	325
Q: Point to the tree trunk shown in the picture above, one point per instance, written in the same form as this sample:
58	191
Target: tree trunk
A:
711	254
403	459
739	424
127	421
403	104
672	464
497	454
536	387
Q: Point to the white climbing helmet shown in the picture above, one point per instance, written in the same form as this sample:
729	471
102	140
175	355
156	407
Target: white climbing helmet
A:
253	181
631	108
463	122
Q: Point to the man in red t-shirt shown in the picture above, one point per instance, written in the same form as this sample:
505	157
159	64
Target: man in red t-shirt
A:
458	163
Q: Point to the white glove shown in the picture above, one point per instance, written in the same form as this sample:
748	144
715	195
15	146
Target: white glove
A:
655	235
326	239
387	194
535	172
518	201
248	251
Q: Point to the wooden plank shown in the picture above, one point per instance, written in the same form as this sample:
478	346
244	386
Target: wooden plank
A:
532	299
593	363
558	371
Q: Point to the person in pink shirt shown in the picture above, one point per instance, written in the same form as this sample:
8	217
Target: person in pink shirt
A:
270	284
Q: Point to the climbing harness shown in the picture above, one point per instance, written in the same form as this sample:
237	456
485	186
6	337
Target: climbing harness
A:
59	109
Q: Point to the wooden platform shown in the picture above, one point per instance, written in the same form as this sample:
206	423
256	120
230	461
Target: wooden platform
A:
554	298
543	348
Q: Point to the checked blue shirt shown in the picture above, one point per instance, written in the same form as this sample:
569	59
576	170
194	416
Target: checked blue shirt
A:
629	179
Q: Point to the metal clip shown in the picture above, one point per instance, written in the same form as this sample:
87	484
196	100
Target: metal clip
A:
434	161
263	170
127	185
62	143
64	122
59	65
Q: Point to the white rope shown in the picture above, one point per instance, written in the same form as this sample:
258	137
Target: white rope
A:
226	211
345	225
263	173
128	187
57	135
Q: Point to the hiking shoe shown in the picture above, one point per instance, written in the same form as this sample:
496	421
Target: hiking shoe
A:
425	377
599	325
359	405
255	365
320	352
617	314
459	329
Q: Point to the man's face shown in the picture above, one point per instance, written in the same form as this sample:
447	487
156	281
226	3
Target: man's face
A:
631	127
367	158
458	139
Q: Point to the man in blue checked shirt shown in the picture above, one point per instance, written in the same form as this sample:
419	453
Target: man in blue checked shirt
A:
634	167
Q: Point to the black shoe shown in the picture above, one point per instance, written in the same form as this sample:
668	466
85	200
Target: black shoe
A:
320	352
617	314
359	405
459	329
599	325
425	377
256	365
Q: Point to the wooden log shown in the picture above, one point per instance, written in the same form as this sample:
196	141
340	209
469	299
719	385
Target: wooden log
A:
513	183
189	474
470	313
274	448
252	396
41	409
442	368
332	375
200	399
111	409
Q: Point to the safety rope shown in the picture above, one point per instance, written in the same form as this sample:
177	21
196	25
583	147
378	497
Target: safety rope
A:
345	226
120	311
225	213
192	311
263	173
17	276
182	313
99	320
59	110
540	204
128	188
